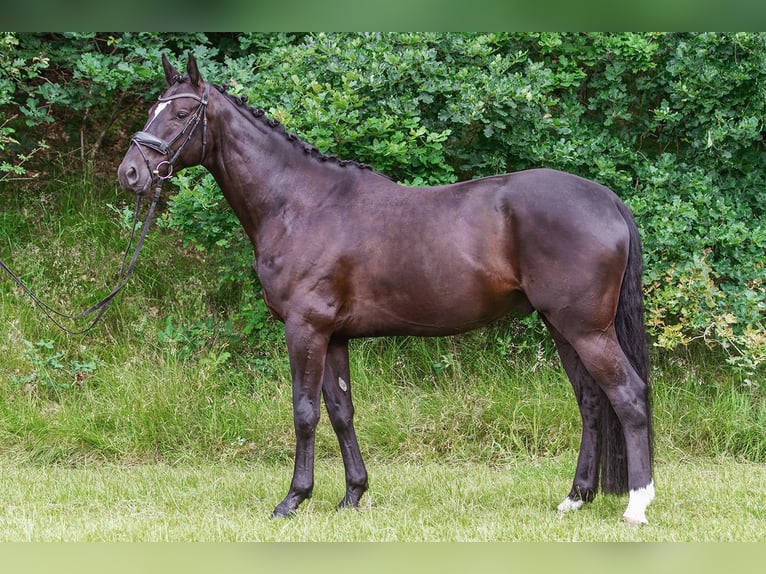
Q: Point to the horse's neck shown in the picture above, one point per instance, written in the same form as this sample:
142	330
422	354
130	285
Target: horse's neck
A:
263	174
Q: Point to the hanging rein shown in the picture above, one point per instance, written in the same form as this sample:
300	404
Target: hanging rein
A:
126	269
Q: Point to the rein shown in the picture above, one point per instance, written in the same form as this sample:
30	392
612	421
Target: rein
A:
126	269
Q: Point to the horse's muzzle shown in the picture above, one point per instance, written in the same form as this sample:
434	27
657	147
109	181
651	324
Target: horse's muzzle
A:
133	176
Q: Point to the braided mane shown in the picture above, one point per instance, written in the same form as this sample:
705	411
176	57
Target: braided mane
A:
277	126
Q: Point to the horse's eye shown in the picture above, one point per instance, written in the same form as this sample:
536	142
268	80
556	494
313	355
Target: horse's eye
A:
182	115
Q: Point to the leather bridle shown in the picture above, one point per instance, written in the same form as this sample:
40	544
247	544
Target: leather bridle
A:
163	147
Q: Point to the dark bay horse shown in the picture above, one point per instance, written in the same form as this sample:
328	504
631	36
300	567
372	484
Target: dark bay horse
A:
344	252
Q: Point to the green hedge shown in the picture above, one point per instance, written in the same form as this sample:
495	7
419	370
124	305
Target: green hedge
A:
674	123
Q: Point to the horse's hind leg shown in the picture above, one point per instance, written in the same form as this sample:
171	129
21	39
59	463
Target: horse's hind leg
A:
590	402
605	360
336	388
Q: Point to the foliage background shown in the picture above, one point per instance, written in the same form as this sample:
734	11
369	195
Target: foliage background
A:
674	123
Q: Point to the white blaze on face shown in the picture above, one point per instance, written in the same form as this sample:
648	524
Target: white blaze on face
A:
157	111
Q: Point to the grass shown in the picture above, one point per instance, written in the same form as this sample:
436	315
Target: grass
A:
167	423
699	500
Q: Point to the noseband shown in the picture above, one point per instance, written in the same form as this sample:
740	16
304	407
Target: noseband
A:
164	147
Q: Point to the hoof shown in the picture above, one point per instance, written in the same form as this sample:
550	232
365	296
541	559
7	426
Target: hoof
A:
283	511
569	505
281	515
633	521
348	502
640	498
353	495
342	507
290	504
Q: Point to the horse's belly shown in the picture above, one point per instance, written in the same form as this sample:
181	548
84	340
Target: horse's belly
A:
418	316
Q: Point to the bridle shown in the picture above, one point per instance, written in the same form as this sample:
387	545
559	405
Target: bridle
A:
159	145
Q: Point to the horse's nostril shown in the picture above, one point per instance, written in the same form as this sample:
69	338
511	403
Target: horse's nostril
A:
129	176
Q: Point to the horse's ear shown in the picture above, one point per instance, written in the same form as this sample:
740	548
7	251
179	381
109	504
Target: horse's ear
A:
171	74
193	71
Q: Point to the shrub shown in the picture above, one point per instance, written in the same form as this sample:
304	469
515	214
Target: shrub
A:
672	122
16	69
669	121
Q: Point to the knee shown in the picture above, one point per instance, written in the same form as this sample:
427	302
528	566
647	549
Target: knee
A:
305	417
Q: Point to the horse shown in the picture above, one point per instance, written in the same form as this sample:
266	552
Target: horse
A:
343	252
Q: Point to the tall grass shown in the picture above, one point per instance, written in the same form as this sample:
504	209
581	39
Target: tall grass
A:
168	377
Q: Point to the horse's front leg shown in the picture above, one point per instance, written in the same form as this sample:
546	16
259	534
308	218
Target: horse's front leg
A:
308	350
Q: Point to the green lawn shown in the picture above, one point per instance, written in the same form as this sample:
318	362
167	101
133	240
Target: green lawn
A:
699	500
168	423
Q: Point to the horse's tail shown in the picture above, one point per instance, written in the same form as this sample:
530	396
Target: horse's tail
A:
631	333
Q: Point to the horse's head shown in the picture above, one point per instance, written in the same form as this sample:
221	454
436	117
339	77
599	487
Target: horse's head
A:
174	136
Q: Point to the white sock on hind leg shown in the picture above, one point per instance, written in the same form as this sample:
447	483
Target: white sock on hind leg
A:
637	504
